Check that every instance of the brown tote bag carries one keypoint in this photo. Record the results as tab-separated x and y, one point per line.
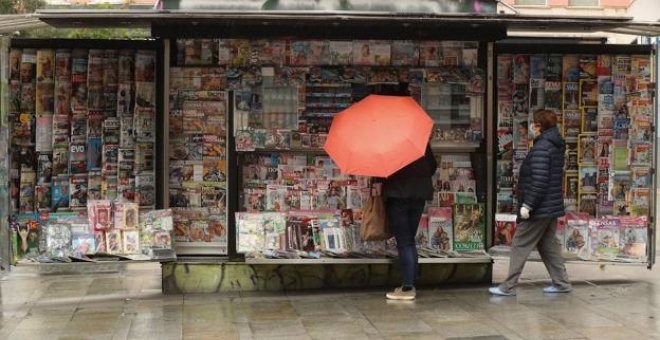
374	218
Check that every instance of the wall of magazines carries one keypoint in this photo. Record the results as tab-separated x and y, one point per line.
293	202
82	140
605	105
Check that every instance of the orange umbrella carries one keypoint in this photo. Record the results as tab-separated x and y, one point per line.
378	135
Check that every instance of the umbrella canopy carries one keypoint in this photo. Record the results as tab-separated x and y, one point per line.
378	135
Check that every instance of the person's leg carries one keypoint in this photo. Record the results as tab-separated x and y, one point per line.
415	214
550	251
398	220
528	234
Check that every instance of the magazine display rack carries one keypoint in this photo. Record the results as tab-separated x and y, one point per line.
82	117
293	203
604	98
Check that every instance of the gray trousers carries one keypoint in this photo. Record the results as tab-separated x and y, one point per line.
537	233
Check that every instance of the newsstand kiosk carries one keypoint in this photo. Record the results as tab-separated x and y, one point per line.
244	98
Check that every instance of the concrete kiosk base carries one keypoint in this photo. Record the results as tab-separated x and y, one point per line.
195	277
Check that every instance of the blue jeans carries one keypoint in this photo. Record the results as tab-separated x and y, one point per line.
403	215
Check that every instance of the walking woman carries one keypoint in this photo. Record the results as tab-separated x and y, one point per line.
541	202
406	193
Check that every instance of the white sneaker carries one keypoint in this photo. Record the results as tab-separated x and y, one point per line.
556	290
497	291
399	294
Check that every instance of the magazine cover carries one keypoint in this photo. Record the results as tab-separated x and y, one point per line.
43	197
586	149
633	238
44	168
79	129
605	238
250	234
78	159
587	203
620	183
131	241
520	100
588	174
641	128
577	239
469	227
440	229
111	130
536	94
429	54
603	65
95	124
521	133
572	96
144	157
603	147
382	52
505	228
94	182
641	177
641	154
78	191
553	95
301	52
234	52
319	52
405	53
94	154
571	161
99	213
44	134
113	241
505	201
145	189
100	242
570	68
619	154
60	193
504	66
588	66
640	65
588	93
521	69
572	124
571	188
589	120
640	201
27	196
553	71
82	244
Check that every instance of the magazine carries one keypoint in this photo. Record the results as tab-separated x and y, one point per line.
588	66
634	238
553	95
44	168
60	193
570	68
27	195
429	54
586	149
536	94
588	93
619	154
588	177
587	203
404	53
113	241
641	154
44	133
78	191
78	159
521	69
440	229
505	228
504	66
589	120
603	65
571	185
577	239
640	201
605	238
641	177
572	123
571	96
469	227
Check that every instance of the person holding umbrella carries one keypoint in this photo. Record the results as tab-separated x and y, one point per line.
541	202
386	136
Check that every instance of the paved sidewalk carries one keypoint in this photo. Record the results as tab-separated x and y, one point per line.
609	303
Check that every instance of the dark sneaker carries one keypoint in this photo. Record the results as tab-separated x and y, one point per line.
399	294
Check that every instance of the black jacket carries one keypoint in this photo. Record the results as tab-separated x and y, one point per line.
542	176
413	180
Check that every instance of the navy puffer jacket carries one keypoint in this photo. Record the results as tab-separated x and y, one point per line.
542	175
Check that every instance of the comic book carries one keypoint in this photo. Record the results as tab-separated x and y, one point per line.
633	239
78	159
577	239
27	195
640	201
605	238
641	177
641	154
570	68
588	178
588	66
586	149
60	193
505	228
469	227
78	191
